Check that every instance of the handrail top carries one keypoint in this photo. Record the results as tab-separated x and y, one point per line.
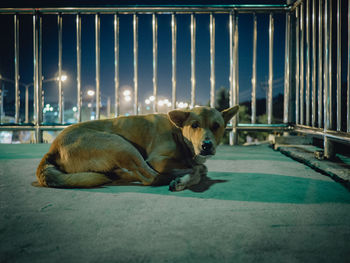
124	9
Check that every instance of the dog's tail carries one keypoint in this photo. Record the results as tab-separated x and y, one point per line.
49	175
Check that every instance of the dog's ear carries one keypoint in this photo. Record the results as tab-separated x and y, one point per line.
229	113
178	117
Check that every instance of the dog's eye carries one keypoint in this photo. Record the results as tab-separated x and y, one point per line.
195	125
215	126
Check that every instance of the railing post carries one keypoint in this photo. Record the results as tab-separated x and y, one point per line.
79	99
297	65
37	46
232	82
116	67
327	98
26	104
97	64
348	76
313	79
16	48
338	66
255	37
212	60
287	70
135	39
320	63
60	101
302	80
155	61
193	61
269	96
307	87
173	60
233	74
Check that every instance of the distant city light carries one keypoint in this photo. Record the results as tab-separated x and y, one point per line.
182	105
91	92
152	98
63	78
127	98
147	101
127	93
75	109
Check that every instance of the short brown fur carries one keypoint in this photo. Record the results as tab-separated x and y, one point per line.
151	149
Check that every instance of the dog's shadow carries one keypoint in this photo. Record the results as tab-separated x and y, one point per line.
204	185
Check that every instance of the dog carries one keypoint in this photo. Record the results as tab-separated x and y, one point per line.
154	149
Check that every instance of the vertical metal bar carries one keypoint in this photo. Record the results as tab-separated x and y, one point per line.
320	63
287	70
173	59
327	144
338	66
212	60
193	60
108	107
234	74
269	96
236	64
255	37
27	104
325	67
348	77
1	100
135	37
313	100
297	62
330	67
16	47
307	88
232	82
60	102
231	34
116	67
97	64
155	61
302	61
78	32
37	23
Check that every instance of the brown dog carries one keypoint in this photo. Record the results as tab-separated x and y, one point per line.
152	149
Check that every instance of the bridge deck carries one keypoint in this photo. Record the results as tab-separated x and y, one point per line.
257	206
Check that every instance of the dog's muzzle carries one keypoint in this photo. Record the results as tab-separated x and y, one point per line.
207	148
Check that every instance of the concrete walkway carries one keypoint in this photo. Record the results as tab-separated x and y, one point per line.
257	206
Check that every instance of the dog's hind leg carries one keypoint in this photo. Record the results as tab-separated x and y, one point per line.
88	159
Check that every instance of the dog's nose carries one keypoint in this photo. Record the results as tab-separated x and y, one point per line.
207	145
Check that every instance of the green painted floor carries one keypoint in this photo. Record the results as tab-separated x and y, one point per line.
257	205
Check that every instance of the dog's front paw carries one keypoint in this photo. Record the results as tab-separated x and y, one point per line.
201	169
176	185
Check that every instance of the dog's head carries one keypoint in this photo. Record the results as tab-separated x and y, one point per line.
202	128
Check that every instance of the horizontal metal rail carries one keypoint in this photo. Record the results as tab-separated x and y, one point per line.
333	135
187	9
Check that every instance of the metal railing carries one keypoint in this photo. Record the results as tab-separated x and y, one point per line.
308	59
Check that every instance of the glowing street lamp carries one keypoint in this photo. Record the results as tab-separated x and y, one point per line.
91	93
